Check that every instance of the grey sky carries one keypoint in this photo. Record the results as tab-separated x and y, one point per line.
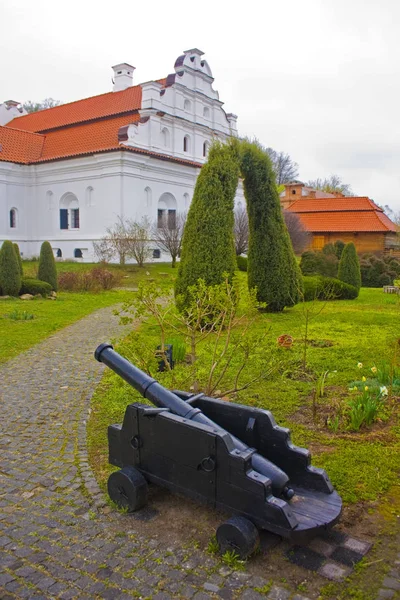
319	79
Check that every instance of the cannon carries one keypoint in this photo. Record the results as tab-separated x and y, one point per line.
229	456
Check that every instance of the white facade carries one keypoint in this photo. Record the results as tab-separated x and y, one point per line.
86	194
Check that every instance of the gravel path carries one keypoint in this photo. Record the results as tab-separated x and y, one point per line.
53	542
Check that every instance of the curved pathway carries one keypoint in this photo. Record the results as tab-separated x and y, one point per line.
53	542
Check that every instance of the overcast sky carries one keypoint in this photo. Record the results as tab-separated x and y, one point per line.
319	79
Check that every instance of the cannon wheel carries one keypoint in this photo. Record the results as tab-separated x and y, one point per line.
239	535
128	489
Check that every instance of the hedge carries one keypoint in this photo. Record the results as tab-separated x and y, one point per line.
34	287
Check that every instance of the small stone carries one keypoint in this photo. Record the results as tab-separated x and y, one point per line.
390	582
357	545
385	594
278	593
333	571
26	297
211	587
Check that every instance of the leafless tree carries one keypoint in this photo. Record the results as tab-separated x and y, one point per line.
284	167
241	230
30	106
300	237
126	239
331	185
167	233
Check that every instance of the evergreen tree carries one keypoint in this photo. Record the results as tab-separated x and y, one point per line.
272	266
339	247
47	266
18	253
208	249
10	277
349	266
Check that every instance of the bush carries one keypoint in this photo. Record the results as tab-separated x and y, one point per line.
10	277
47	266
339	247
34	287
328	288
104	278
88	281
377	272
329	249
69	281
18	254
208	249
319	263
242	263
349	266
272	267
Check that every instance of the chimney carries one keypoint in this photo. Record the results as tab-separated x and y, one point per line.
312	194
123	75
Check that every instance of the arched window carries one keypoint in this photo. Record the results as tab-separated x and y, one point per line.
148	196
50	200
77	253
13	218
187	105
205	148
166	212
89	196
69	212
58	253
186	143
166	138
206	112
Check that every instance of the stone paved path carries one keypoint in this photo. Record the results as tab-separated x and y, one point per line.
53	543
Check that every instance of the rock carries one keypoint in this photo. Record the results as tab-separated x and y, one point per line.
26	297
5	297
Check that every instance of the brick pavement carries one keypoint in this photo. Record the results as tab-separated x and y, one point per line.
53	543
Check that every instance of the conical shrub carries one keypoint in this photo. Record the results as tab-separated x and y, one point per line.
349	266
272	266
18	254
10	277
47	266
208	249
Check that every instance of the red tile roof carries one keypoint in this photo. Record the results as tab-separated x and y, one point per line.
88	109
348	203
82	139
351	214
20	146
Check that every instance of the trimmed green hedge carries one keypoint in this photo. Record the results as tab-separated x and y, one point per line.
328	288
242	263
34	287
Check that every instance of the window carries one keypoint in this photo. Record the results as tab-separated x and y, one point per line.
293	191
205	149
186	143
172	219
77	253
58	253
318	242
165	138
156	253
13	218
160	218
69	212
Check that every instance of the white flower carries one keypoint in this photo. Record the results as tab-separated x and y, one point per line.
360	365
384	391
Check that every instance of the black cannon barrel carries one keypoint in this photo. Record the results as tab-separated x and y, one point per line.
149	388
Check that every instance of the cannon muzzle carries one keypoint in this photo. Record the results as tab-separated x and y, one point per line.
149	388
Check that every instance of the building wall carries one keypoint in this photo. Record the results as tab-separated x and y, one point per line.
364	242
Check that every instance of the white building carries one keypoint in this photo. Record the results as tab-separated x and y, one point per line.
67	173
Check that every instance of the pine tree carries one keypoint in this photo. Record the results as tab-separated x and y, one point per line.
272	266
47	266
10	277
349	266
18	253
208	249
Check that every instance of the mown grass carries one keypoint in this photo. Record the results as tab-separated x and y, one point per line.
362	465
51	315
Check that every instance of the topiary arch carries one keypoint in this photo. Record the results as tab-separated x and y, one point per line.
208	243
